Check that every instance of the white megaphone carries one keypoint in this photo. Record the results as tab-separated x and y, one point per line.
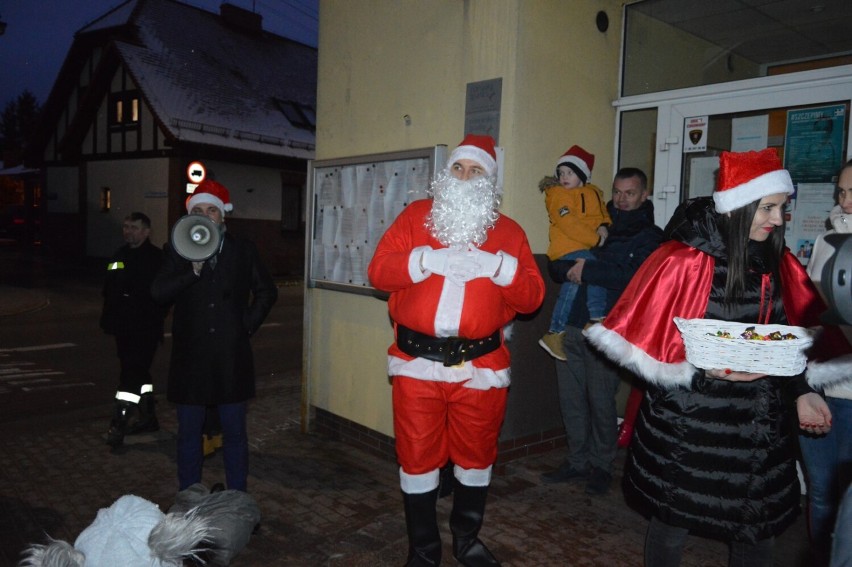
196	237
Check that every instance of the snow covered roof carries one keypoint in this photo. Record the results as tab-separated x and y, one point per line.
212	83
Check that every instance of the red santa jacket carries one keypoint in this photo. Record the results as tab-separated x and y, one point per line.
487	304
640	333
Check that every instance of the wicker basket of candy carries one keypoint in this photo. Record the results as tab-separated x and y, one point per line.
778	350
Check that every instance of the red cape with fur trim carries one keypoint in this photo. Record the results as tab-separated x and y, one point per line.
675	281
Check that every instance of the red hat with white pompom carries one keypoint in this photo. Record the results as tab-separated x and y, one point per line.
479	148
209	191
749	176
579	160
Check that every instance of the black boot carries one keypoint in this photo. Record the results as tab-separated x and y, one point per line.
147	421
465	522
118	425
421	522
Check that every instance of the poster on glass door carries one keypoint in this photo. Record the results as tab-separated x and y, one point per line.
807	218
814	143
695	134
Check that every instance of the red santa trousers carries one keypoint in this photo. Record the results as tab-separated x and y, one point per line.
439	421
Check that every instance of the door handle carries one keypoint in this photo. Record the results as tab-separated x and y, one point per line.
665	190
668	142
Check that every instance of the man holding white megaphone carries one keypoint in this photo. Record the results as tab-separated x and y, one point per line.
221	292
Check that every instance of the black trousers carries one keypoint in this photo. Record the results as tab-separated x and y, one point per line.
664	547
135	354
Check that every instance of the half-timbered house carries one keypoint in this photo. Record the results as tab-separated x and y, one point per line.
153	86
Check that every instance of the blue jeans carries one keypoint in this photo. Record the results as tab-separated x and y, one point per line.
190	446
841	552
828	465
595	297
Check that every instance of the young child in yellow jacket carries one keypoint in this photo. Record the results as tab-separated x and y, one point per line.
578	221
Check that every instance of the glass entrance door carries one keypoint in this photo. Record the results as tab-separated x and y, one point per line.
725	109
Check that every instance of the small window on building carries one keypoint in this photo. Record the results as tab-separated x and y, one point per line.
299	115
124	109
106	199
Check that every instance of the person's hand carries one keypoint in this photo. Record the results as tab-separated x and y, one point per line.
436	261
814	415
489	263
603	233
575	273
461	268
733	375
196	267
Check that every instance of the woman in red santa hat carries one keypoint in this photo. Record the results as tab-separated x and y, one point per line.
714	450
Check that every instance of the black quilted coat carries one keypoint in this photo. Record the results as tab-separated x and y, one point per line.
719	458
214	317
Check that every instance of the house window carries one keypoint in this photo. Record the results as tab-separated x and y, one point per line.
106	199
124	109
292	201
299	115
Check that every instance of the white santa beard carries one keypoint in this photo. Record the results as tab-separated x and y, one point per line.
462	211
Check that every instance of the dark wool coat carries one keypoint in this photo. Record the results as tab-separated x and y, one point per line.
713	456
214	317
128	307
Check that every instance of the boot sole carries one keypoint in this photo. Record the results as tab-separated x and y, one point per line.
543	345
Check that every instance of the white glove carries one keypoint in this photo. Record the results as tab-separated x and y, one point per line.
436	261
462	268
489	263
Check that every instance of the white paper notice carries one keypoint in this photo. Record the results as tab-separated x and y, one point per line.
348	183
418	180
329	189
749	133
359	268
364	176
329	225
813	203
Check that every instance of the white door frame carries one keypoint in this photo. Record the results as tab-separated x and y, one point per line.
795	89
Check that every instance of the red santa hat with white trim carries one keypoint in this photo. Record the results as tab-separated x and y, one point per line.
579	160
209	191
749	176
479	148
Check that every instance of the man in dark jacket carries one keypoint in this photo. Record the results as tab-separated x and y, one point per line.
588	381
130	314
218	305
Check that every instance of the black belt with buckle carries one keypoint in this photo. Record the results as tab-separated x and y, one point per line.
452	351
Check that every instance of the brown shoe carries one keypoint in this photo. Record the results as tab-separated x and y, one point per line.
552	343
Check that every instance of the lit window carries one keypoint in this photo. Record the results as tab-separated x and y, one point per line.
124	108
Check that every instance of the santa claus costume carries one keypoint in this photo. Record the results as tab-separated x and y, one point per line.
712	456
449	301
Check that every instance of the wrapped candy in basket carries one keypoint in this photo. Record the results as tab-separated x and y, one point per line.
777	350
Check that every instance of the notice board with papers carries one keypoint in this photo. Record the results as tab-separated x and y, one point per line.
351	202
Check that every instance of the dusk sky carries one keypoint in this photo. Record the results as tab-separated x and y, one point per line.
39	34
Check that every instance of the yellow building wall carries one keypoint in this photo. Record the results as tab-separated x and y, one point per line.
382	60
